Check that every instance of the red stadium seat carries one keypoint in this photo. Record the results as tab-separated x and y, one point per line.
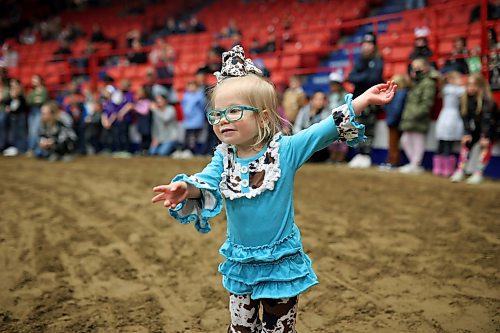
290	62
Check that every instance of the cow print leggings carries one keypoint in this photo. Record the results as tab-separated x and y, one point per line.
278	315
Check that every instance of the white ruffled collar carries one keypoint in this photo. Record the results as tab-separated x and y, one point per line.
264	171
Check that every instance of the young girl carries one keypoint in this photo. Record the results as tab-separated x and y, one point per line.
36	98
142	108
449	126
416	116
254	169
477	110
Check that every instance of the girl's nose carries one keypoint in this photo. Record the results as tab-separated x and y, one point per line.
223	121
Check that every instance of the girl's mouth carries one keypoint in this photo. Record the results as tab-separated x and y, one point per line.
226	130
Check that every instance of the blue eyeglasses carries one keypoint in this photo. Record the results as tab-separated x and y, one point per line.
231	113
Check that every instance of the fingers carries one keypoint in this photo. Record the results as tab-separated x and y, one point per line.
158	198
382	86
161	188
170	204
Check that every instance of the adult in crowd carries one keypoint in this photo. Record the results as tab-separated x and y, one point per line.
313	112
366	73
294	98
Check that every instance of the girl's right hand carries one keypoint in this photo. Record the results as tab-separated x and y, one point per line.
171	194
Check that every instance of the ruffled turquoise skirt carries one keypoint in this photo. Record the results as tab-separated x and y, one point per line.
278	270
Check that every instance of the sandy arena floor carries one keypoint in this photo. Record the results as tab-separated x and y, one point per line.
83	250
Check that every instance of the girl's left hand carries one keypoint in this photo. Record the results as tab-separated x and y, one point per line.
381	93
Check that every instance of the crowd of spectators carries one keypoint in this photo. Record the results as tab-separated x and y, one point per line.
151	120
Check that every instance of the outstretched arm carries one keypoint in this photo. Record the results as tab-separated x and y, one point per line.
175	193
379	94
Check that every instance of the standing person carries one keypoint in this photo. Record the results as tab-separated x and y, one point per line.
254	170
416	116
123	101
75	109
478	111
142	108
165	130
458	58
366	73
36	98
17	110
449	126
108	118
294	98
338	149
393	112
4	101
193	107
421	45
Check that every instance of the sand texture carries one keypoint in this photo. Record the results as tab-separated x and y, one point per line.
82	249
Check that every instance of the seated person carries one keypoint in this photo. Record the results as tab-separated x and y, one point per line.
57	140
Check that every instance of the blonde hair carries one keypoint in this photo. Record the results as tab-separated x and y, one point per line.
484	92
260	93
52	106
402	80
452	75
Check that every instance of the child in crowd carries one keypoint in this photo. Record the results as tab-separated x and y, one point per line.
36	98
393	112
108	119
93	127
479	113
57	140
193	107
165	130
142	108
416	116
338	149
123	101
449	125
254	170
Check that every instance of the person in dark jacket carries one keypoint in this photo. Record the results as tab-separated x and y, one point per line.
366	73
480	114
17	112
457	61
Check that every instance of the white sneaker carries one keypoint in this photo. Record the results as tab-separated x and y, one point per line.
11	151
185	154
411	169
358	161
457	176
476	178
365	162
176	154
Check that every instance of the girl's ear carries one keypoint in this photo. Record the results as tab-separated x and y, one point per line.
265	117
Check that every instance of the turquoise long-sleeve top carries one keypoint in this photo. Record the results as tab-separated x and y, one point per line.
263	251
